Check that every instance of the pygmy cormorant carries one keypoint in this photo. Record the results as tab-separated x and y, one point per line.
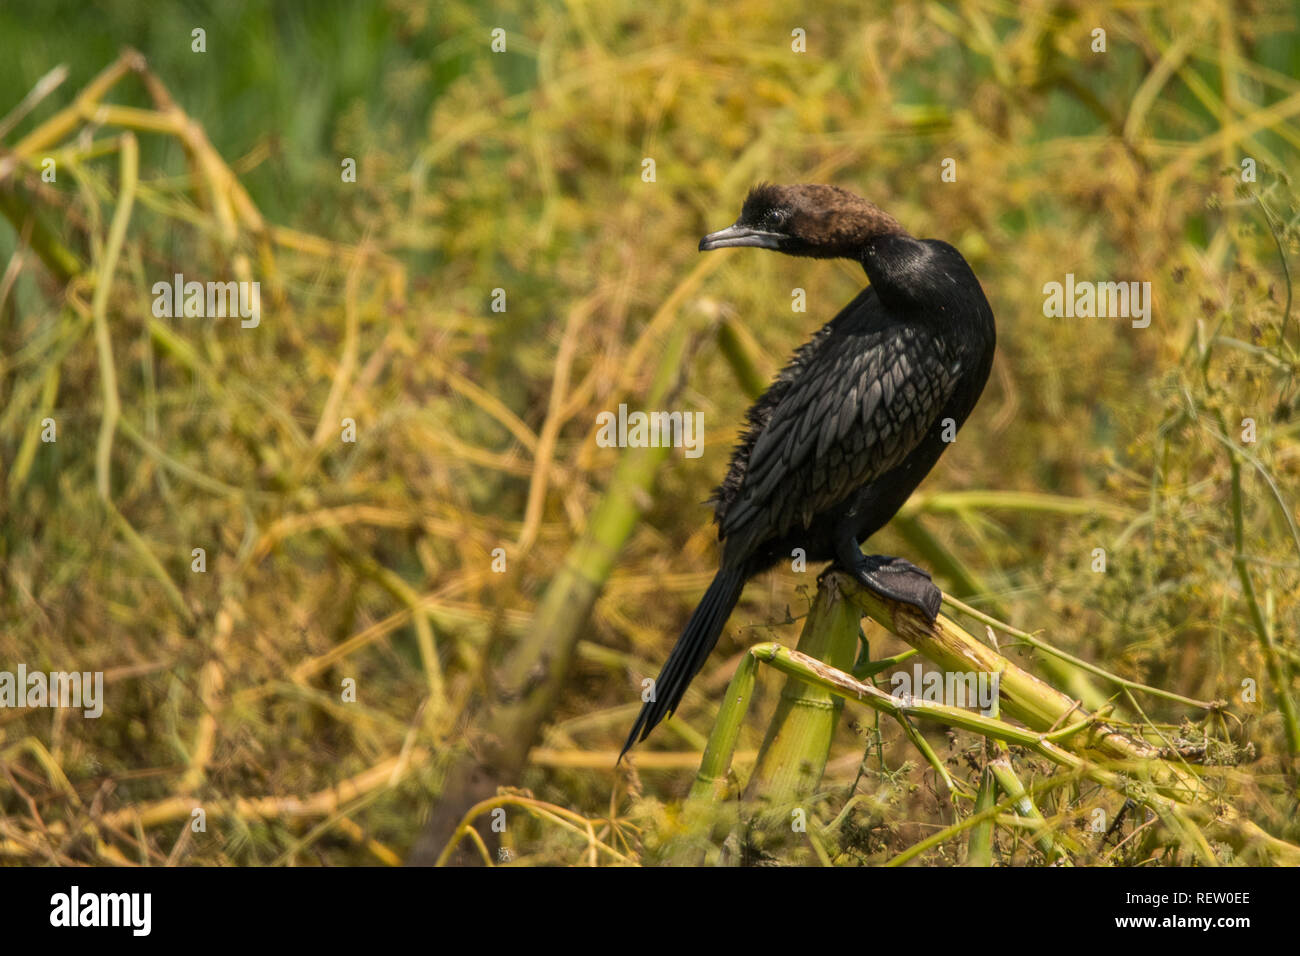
853	424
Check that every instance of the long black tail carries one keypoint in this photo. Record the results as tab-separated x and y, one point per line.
689	653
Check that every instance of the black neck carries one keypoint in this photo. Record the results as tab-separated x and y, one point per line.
895	264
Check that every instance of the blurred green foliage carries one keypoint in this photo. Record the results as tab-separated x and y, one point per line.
522	171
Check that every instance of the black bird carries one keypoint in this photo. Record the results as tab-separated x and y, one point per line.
851	426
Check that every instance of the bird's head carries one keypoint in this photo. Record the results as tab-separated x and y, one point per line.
824	222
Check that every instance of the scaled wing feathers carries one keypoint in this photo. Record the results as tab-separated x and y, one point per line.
853	435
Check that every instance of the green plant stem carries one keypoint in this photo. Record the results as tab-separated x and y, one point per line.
979	851
1024	806
528	682
795	749
710	781
1179	813
62	263
1091	668
1276	669
1043	708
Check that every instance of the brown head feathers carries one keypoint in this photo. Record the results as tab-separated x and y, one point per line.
816	220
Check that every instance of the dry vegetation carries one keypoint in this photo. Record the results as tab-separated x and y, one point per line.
373	561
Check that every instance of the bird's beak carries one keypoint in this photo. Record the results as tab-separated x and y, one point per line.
737	235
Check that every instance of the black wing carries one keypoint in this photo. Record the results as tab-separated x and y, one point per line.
856	405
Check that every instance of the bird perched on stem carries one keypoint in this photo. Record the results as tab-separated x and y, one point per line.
851	426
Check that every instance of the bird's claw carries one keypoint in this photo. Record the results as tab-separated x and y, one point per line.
899	580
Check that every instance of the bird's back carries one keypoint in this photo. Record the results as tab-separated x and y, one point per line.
852	404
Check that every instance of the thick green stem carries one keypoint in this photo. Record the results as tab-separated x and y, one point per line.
31	227
710	782
794	752
980	849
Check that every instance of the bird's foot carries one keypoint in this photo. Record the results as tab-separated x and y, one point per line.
899	580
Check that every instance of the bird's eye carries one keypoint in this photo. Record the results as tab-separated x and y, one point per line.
775	218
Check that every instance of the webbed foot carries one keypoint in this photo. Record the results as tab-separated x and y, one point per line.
899	580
